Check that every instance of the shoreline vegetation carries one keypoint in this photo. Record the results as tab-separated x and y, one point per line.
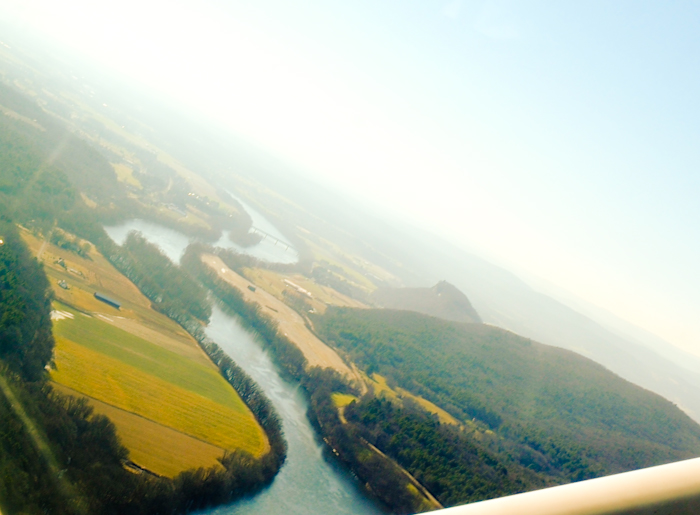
174	293
381	478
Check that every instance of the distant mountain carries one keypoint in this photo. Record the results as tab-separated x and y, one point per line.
503	299
443	300
570	417
620	327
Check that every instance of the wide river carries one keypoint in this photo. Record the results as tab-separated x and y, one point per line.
274	247
307	484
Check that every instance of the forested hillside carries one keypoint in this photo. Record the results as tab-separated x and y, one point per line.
564	416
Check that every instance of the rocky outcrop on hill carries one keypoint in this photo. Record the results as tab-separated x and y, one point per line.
442	301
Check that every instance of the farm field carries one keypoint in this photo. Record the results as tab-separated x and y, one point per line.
151	444
86	275
381	388
172	408
115	367
273	282
340	400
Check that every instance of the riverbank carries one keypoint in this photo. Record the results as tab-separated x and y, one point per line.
382	478
289	322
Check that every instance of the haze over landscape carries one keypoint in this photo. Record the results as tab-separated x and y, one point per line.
351	258
559	141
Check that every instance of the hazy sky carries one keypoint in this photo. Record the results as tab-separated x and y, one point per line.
562	138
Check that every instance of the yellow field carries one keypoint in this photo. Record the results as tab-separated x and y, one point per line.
172	408
290	323
428	406
273	282
179	346
155	447
125	387
340	400
381	388
126	174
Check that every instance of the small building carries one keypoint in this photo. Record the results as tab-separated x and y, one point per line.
107	300
298	288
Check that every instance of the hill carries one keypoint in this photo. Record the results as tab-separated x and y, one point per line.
552	411
442	300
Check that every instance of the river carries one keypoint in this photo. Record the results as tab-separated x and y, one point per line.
307	483
274	247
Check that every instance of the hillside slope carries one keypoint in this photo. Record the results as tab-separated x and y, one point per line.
578	419
443	300
499	296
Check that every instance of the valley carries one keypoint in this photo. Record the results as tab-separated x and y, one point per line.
256	334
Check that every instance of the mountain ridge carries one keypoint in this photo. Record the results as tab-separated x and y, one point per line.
514	384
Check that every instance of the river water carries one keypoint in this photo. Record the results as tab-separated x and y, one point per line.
172	243
307	484
274	247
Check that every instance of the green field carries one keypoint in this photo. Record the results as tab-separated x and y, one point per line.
102	337
129	373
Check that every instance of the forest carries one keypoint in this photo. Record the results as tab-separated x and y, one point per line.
26	342
170	288
580	422
455	467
